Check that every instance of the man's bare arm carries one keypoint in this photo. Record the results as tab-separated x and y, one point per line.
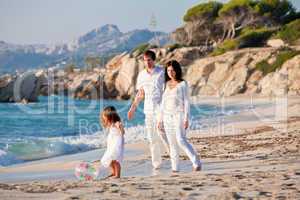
138	98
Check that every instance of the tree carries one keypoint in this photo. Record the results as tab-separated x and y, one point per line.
203	11
277	10
236	15
200	28
213	22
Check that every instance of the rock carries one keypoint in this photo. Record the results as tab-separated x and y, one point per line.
22	88
43	82
232	73
6	88
126	78
253	81
109	81
218	75
276	43
185	56
26	87
115	62
292	68
274	84
88	86
235	83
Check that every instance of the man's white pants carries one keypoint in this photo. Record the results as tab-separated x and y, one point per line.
155	138
176	134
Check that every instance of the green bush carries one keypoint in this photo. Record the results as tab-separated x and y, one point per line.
276	9
290	32
254	37
227	45
281	58
235	4
211	9
264	67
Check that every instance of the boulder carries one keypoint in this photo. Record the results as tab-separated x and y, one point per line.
6	88
126	79
276	43
26	87
22	88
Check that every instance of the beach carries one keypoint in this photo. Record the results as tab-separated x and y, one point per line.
254	154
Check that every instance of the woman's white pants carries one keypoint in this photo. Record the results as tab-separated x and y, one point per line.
176	135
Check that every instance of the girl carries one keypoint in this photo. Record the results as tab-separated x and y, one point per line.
174	115
113	155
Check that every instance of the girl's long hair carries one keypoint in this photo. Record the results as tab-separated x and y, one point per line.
177	68
111	114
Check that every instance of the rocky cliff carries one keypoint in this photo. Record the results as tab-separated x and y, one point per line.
233	73
236	73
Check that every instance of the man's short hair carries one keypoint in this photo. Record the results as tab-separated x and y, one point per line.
150	54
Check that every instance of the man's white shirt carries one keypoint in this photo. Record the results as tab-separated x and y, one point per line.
153	85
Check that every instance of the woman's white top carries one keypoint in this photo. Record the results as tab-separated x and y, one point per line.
176	101
115	147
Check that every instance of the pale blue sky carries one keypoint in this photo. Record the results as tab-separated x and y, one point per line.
56	21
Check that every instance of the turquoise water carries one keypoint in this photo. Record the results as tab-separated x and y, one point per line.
58	125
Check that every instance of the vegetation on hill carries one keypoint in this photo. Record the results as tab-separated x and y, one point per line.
265	67
238	24
290	33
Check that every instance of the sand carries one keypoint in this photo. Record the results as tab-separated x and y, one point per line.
251	158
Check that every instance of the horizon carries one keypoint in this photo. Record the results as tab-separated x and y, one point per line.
22	22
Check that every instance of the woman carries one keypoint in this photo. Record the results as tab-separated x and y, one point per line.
174	115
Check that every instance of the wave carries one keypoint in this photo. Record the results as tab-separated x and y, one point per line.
39	148
8	159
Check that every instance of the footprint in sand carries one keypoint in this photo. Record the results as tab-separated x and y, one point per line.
187	188
267	194
74	197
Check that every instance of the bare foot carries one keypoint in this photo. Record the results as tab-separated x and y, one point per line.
198	168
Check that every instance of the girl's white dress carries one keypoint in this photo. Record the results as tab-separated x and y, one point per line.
115	147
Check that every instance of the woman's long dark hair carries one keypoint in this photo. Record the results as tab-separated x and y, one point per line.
111	114
177	68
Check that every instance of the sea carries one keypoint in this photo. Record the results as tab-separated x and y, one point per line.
60	125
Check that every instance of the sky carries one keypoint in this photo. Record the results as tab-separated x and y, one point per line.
59	21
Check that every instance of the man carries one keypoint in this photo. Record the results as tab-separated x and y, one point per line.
150	86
